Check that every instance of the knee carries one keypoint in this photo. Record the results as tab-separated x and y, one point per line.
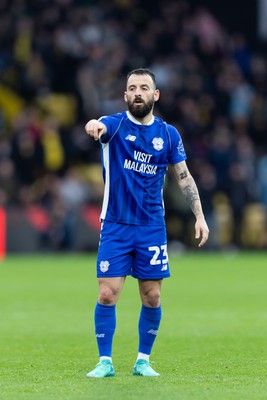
107	296
151	298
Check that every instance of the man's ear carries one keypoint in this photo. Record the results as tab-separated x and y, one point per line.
125	97
156	95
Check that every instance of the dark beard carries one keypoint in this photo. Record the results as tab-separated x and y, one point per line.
140	111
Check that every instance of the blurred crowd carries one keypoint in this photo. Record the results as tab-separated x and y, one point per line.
63	62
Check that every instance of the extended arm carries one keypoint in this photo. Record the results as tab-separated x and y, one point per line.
189	189
95	129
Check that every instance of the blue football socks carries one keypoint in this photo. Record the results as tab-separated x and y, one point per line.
148	326
105	324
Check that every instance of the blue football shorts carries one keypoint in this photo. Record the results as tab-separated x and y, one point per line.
136	250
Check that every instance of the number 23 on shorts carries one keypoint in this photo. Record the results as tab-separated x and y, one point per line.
160	254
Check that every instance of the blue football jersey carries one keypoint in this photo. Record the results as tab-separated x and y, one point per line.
135	159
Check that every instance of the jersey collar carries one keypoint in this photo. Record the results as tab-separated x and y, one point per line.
131	118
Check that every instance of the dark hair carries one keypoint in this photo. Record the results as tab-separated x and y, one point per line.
142	71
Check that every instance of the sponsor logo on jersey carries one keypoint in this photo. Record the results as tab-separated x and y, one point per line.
131	138
158	143
141	163
104	266
140	167
164	268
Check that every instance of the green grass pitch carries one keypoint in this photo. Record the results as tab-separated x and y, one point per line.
212	342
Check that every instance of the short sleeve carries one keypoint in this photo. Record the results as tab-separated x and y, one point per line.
177	151
112	123
106	121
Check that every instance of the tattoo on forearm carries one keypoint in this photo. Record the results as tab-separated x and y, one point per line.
183	175
189	189
192	198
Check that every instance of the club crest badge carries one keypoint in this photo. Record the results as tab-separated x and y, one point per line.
158	143
104	265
